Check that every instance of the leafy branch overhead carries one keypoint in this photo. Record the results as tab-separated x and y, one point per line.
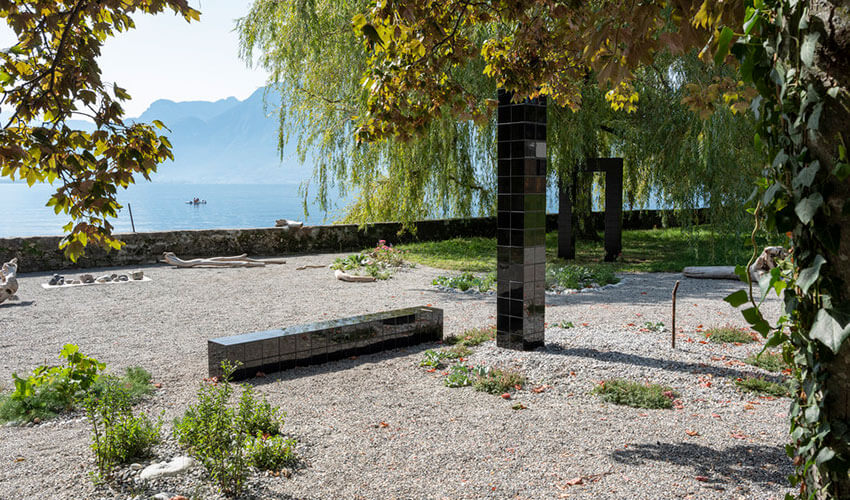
51	76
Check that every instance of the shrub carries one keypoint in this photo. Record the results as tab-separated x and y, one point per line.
574	276
497	381
219	434
136	381
472	338
461	375
767	360
466	281
51	389
257	417
385	254
267	452
624	392
729	334
761	386
118	436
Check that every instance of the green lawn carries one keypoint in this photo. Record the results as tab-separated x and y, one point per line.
649	250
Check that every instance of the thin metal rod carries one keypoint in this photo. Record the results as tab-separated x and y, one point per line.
673	334
132	224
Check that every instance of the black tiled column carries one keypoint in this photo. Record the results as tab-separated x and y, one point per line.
566	241
521	225
613	168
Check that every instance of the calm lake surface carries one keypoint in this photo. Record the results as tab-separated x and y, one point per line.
160	207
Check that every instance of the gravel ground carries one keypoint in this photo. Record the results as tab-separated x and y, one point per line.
438	442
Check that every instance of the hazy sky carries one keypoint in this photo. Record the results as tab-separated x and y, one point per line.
167	58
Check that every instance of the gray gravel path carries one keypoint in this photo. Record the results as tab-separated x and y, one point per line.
439	442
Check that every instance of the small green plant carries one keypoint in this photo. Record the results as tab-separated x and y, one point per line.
761	386
257	416
436	359
221	436
457	352
767	360
118	436
269	452
571	276
565	325
385	254
729	335
498	381
51	389
473	337
461	375
466	281
377	262
136	381
625	392
654	327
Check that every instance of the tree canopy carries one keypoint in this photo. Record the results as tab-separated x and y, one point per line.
50	76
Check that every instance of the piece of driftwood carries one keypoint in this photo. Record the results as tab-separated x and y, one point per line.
343	276
234	261
767	261
8	280
711	272
309	266
288	223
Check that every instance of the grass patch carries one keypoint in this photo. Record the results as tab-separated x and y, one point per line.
770	361
467	280
636	395
497	381
761	386
473	337
649	250
565	275
729	335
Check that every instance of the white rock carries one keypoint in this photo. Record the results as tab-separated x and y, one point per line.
174	466
163	496
135	466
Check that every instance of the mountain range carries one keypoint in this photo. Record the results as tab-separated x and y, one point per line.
226	141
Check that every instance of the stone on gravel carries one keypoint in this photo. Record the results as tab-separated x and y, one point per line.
173	467
162	496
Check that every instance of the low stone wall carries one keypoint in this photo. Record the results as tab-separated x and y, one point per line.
41	253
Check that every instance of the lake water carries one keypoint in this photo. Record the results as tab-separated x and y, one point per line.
159	207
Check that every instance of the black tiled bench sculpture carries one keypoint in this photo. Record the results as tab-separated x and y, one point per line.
315	343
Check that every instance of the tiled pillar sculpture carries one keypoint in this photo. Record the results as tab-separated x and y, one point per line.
521	226
613	168
566	239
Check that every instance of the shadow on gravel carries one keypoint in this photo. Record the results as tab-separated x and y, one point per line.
335	366
642	293
18	304
456	296
663	364
766	465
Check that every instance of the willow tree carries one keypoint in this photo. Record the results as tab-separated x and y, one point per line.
50	76
445	164
792	52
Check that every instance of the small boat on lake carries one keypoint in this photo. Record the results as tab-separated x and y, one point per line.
196	201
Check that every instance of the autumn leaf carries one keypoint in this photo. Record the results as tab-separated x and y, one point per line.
383	424
574	481
692	433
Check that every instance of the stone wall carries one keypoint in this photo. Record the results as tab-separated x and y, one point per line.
41	253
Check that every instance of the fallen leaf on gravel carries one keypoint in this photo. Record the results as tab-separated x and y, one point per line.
506	396
574	481
158	386
431	370
631	324
519	406
738	435
542	388
20	459
383	424
703	342
585	324
179	497
701	478
427	305
692	433
572	374
749	407
715	415
717	358
643	293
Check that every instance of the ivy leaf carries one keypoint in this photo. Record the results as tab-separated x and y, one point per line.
825	455
735	299
807	49
805	177
808	207
809	275
829	330
723	42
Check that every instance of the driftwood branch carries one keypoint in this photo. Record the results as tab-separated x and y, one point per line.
234	261
343	276
8	280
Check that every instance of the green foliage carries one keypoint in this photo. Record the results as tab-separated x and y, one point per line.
461	375
472	337
118	436
499	381
51	389
50	76
473	254
634	394
465	281
729	335
768	360
224	437
379	262
565	325
136	381
654	327
436	359
761	386
270	452
571	276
